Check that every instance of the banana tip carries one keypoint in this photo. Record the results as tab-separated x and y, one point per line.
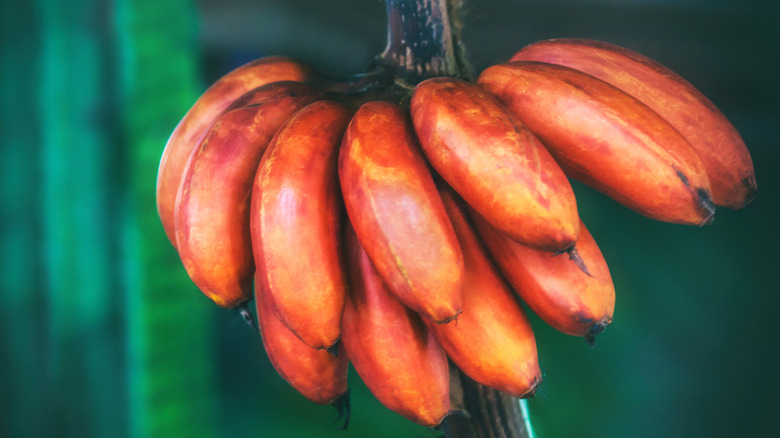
575	257
249	319
451	318
534	387
751	196
343	407
596	329
456	419
334	349
706	205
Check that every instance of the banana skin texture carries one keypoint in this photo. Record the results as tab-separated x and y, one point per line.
554	287
212	208
390	348
398	216
717	142
492	340
318	375
497	165
193	126
607	139
295	223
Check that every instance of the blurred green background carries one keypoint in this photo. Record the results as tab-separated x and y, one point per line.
103	335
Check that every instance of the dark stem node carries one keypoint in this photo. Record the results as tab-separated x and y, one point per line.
421	41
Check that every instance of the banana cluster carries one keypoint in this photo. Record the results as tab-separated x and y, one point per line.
403	237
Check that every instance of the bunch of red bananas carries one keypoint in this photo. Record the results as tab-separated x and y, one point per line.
402	235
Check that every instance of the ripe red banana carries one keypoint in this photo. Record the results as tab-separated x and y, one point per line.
390	348
212	208
607	139
555	288
193	126
719	145
296	214
495	163
319	375
492	340
397	213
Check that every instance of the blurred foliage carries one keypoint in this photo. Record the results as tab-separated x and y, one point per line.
103	335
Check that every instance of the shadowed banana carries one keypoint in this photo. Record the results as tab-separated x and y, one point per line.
555	288
319	375
389	346
193	126
492	340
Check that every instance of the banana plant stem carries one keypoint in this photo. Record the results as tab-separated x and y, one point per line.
422	40
526	418
479	411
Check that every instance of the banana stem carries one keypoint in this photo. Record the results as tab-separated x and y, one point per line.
526	417
479	411
423	40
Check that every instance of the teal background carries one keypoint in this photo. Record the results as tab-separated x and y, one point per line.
103	335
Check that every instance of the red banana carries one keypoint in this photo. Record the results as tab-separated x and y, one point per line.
492	340
395	208
555	288
319	375
607	139
390	348
193	126
495	163
719	145
295	221
212	209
